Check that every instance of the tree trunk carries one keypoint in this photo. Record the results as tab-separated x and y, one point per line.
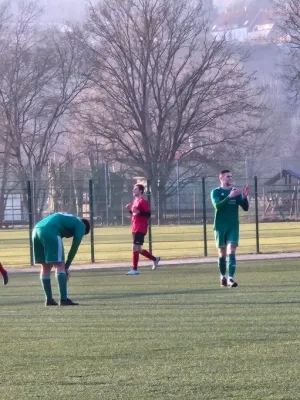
3	194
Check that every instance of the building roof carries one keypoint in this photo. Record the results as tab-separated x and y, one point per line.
247	17
264	17
284	173
234	19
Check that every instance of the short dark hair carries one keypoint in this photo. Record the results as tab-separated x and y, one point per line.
224	171
87	225
141	187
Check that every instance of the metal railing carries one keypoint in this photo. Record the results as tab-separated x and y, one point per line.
180	226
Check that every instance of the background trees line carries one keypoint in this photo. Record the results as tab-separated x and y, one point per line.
140	84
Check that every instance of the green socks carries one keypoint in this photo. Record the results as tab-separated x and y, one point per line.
222	265
62	285
231	265
46	284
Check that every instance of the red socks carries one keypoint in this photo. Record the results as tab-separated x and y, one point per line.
135	259
148	255
2	270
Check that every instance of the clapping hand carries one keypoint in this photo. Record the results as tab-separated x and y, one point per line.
245	191
234	193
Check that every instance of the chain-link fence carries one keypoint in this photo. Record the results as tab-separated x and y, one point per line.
181	222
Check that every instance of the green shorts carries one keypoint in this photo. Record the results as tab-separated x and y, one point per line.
227	236
47	246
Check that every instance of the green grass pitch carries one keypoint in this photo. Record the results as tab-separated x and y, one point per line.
169	334
113	244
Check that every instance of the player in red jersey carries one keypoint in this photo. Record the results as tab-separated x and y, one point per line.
140	210
3	272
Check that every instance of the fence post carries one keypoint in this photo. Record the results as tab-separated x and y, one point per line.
256	214
106	172
30	219
91	205
194	205
204	217
122	209
150	224
158	202
178	192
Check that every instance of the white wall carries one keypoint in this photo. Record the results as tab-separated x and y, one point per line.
239	34
13	210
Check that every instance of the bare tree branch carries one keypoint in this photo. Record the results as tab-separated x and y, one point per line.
288	21
163	80
40	79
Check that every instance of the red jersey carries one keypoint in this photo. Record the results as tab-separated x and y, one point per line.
139	223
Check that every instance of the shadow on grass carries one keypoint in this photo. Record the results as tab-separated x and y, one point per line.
191	292
146	294
207	301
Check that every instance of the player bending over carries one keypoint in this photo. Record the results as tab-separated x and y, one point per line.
140	210
49	251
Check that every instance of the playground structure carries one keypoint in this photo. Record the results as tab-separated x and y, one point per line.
281	200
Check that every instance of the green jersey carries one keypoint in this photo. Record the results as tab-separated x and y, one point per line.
65	226
227	209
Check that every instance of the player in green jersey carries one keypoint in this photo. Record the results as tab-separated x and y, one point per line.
49	251
226	201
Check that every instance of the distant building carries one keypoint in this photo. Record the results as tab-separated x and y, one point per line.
244	25
15	212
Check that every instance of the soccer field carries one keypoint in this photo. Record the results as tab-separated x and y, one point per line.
172	333
113	244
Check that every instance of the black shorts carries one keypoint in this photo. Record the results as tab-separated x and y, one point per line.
138	238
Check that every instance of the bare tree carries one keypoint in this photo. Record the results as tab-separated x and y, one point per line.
164	86
6	186
263	158
288	22
40	79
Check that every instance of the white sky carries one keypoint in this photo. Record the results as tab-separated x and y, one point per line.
62	10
